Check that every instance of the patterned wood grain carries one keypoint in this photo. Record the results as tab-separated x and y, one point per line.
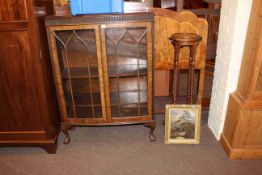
168	22
13	10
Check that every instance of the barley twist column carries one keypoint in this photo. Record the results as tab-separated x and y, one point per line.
180	40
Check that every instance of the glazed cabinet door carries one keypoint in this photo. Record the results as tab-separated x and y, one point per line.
127	61
76	59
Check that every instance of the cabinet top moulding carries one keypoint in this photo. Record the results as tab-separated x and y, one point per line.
99	18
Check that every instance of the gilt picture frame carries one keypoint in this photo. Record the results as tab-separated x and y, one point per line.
182	124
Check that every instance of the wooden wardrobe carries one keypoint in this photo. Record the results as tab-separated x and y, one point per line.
241	137
28	107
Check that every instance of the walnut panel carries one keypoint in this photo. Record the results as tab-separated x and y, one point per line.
13	10
167	23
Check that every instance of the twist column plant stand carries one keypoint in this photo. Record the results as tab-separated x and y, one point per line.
180	40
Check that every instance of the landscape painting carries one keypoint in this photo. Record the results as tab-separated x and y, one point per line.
182	124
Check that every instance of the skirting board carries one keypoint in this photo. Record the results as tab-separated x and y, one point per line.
240	153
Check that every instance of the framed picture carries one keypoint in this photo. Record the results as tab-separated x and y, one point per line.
182	124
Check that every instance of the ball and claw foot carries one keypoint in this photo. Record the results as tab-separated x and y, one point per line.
65	129
152	127
152	138
66	140
72	128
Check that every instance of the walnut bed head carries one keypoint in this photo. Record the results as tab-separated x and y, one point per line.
168	22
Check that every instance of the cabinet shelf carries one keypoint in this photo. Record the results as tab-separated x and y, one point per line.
126	97
86	112
129	111
80	73
113	72
112	105
79	58
124	112
83	99
129	70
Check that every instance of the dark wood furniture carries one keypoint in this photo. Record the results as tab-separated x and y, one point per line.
210	66
213	4
179	5
241	136
102	66
28	107
180	40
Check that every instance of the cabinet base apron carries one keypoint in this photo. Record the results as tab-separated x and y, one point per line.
236	139
239	153
66	127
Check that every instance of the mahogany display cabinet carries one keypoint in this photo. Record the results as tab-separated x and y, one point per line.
102	65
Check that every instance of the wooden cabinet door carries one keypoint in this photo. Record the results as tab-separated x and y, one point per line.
127	63
76	58
21	95
19	106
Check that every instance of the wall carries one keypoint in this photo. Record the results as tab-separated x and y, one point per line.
231	38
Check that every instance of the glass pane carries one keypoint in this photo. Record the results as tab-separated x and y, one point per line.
127	71
77	55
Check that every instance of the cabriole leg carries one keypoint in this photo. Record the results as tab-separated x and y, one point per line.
152	127
65	129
